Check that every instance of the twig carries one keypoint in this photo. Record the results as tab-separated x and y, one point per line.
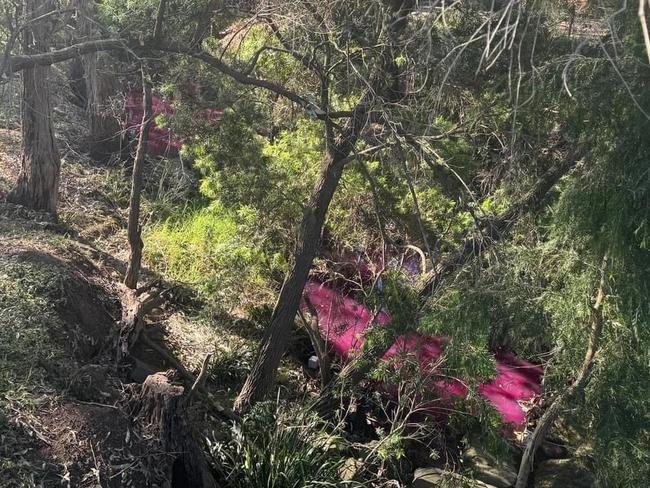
200	379
105	405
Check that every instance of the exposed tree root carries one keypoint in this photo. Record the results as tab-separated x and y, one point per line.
136	304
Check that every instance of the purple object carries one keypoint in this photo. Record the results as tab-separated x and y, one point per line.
343	322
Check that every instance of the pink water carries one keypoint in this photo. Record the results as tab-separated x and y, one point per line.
344	321
162	142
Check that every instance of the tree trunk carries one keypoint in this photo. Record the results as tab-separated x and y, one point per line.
134	229
38	183
262	376
162	405
100	85
578	385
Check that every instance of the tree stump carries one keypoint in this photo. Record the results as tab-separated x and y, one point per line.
162	405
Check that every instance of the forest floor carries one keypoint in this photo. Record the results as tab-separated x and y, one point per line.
64	407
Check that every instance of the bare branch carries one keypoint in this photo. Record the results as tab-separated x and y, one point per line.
160	17
644	25
22	62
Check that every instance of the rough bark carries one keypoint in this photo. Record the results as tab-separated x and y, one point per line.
578	385
100	85
38	183
134	229
224	412
136	304
162	405
274	343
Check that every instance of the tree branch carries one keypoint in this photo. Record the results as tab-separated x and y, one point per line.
578	385
22	62
492	230
245	79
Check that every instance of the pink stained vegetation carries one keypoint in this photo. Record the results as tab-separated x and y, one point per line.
162	142
343	321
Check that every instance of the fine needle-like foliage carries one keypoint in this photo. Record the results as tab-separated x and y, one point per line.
383	214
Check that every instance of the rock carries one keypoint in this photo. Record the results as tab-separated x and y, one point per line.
487	468
561	473
351	470
438	478
554	450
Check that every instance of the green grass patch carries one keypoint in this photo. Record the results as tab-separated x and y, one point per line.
216	252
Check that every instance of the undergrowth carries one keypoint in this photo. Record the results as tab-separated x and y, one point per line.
216	252
30	361
278	447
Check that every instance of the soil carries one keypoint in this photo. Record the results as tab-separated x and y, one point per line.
98	446
76	430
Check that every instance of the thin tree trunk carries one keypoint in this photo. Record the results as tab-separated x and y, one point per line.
578	385
38	183
134	229
274	343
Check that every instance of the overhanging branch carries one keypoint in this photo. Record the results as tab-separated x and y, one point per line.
24	61
492	230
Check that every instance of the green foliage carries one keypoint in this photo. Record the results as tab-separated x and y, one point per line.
501	128
29	292
36	345
240	169
230	367
279	447
217	251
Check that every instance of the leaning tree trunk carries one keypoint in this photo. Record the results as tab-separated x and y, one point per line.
134	229
100	85
38	183
274	343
